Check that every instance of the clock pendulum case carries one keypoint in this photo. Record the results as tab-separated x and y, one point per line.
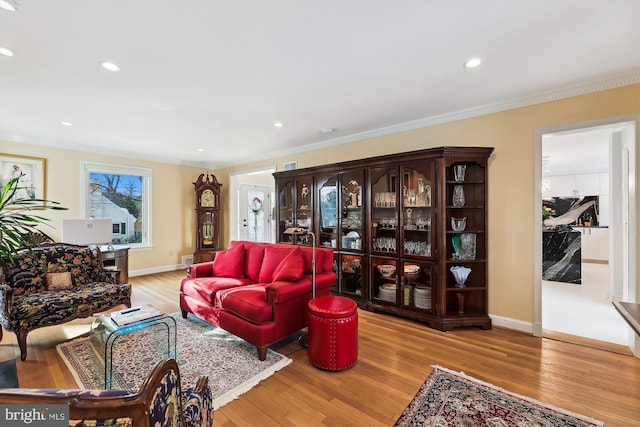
207	190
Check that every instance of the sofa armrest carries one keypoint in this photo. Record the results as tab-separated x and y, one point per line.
279	292
202	269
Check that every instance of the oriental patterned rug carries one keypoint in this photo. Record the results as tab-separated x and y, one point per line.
450	398
231	363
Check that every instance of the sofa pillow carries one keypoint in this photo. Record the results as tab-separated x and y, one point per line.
253	263
58	281
291	268
273	256
229	263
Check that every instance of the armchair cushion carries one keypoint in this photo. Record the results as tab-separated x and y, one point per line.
59	281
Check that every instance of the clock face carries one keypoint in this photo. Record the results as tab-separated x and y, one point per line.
207	199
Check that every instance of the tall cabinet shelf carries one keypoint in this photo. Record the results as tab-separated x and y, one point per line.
398	224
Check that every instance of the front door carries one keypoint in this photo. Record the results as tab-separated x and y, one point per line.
255	213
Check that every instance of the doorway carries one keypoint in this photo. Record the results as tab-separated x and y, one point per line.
251	207
590	164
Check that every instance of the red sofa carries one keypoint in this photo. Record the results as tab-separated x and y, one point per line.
257	291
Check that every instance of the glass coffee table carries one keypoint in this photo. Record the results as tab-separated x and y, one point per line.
107	329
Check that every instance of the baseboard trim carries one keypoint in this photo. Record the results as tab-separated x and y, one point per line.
507	323
161	269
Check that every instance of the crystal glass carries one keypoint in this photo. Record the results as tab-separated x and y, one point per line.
461	274
467	246
458	196
458	172
458	224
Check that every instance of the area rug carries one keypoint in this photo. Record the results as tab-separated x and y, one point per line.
451	398
231	363
8	374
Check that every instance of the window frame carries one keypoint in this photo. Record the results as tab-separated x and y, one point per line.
87	168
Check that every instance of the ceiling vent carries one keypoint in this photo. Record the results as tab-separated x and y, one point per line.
290	166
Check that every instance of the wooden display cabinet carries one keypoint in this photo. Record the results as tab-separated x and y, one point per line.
397	210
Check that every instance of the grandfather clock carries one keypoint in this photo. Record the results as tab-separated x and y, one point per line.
207	217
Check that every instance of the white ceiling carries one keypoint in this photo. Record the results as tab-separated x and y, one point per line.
217	74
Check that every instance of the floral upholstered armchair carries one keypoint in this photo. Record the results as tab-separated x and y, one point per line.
159	402
53	284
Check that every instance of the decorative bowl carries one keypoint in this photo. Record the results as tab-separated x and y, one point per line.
387	270
411	268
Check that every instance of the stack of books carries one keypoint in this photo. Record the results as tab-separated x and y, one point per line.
135	314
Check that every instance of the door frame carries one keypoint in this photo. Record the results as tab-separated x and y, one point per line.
631	286
247	177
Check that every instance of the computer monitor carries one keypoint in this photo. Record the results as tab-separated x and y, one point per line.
87	231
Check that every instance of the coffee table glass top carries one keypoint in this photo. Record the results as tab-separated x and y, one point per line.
108	328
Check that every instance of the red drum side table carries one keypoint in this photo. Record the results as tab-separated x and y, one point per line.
332	332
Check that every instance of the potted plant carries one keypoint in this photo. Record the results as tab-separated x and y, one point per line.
18	223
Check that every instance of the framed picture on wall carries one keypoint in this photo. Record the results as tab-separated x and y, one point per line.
32	173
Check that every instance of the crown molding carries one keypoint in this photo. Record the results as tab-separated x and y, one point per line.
483	110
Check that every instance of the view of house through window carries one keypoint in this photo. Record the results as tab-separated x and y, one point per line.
120	194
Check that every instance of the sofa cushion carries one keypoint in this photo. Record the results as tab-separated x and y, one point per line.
273	256
247	302
291	268
67	303
205	288
59	281
254	254
229	263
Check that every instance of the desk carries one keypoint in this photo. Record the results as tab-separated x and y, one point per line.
631	313
116	259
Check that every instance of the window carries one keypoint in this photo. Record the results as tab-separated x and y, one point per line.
122	194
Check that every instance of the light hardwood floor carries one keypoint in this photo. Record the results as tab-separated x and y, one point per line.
395	358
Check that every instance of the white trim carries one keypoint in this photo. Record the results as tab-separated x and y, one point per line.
516	325
483	110
87	167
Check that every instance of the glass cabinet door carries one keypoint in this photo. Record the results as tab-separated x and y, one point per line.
384	210
417	285
384	280
351	275
416	213
304	208
351	221
328	200
285	210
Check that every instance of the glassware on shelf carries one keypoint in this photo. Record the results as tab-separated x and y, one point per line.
458	172
458	196
458	224
423	198
408	223
460	274
455	242
467	246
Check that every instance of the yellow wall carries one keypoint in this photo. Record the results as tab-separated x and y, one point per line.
511	178
172	201
511	185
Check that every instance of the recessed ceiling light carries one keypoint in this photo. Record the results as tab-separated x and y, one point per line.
6	51
200	150
278	124
66	123
327	131
109	66
9	5
472	63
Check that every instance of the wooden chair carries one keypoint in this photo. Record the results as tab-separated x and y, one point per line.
160	401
